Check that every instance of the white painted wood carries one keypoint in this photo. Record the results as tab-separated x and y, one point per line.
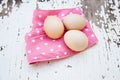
101	62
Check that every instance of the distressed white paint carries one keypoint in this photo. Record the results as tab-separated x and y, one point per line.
97	63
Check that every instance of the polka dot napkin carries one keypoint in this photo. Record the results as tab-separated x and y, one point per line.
41	48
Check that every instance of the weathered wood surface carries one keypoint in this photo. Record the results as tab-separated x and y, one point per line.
101	62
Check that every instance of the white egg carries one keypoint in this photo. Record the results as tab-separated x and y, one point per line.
53	27
76	40
74	22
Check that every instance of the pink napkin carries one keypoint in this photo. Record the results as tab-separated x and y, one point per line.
41	48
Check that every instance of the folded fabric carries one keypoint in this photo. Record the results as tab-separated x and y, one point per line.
41	48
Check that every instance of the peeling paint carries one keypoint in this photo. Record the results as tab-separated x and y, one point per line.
7	7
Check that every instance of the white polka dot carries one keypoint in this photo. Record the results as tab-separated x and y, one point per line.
39	16
37	48
29	51
86	29
57	57
53	40
62	14
43	53
40	24
41	38
77	8
51	50
59	46
92	35
33	40
71	13
35	58
65	53
29	34
45	44
37	31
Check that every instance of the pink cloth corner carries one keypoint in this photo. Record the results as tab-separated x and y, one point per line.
41	48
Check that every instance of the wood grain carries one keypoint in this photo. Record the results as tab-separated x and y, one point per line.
101	62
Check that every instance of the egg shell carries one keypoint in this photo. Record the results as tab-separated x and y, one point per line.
74	22
76	40
53	27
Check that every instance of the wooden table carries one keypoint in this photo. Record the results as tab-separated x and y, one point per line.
101	62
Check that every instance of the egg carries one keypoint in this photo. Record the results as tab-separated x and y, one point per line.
53	27
74	22
76	40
